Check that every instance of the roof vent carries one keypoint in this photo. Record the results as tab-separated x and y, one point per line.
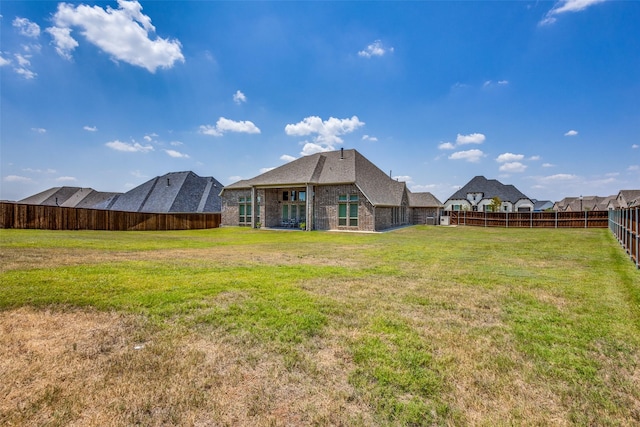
342	154
168	182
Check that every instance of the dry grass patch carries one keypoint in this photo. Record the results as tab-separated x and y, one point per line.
87	368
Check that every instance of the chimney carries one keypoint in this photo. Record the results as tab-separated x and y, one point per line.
168	184
341	153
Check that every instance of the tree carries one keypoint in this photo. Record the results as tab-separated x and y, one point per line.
495	204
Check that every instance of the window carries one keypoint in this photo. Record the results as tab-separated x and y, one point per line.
348	210
302	196
294	195
285	196
244	210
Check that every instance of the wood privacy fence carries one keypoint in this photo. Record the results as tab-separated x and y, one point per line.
15	215
586	219
625	225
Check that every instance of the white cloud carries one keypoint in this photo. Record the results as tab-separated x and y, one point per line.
150	137
31	170
225	125
175	143
124	33
503	82
16	178
235	178
446	146
63	41
634	146
39	130
473	138
468	155
90	128
369	138
534	158
403	178
509	157
513	167
263	170
66	179
547	165
239	97
4	61
176	154
633	168
560	177
26	73
565	6
26	27
287	158
209	130
129	148
327	133
571	133
375	49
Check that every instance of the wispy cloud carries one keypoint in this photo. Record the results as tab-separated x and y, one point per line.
239	97
375	49
124	33
39	130
90	128
66	179
472	156
16	178
369	138
473	138
513	167
176	154
567	6
287	158
26	27
509	157
129	147
571	133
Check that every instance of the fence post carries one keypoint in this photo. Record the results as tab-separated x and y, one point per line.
585	219
556	222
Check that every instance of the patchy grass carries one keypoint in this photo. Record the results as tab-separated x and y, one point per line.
420	326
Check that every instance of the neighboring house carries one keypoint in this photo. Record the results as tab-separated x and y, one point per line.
72	197
336	190
586	203
425	208
628	199
177	192
542	205
478	194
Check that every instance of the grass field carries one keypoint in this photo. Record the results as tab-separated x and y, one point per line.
419	326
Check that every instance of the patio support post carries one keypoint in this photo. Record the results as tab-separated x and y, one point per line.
309	208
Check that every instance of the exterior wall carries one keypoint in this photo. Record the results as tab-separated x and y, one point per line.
423	215
326	208
230	210
523	205
464	204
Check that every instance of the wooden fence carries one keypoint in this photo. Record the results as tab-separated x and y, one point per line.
586	219
15	215
625	225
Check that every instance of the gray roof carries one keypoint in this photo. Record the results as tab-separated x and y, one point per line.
72	197
489	188
331	168
423	200
629	198
172	192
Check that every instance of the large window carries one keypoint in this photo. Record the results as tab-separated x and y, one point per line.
244	210
348	210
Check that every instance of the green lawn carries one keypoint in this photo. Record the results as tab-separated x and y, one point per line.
419	326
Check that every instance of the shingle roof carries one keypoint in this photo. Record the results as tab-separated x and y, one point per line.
69	197
333	167
172	192
423	200
490	189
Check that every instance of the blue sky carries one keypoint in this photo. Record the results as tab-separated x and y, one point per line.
542	95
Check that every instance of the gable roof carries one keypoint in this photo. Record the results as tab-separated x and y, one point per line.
172	192
629	198
423	200
72	197
489	188
332	168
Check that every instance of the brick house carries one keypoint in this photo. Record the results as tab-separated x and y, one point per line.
478	194
336	190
